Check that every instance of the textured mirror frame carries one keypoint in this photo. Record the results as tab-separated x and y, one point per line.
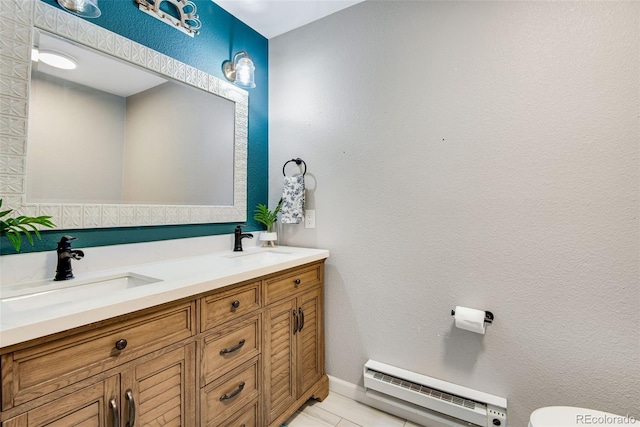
17	20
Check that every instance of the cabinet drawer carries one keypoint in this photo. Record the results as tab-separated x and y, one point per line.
292	282
222	307
247	417
44	368
228	348
222	399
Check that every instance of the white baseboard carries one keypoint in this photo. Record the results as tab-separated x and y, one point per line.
352	391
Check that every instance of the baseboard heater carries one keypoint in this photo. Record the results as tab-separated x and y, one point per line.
442	403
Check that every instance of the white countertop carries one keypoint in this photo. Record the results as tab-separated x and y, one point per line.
176	279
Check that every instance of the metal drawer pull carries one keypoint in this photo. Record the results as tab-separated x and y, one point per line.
297	282
235	304
232	349
233	394
121	344
115	416
295	322
301	318
132	408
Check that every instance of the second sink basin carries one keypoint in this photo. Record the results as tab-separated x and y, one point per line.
48	293
259	255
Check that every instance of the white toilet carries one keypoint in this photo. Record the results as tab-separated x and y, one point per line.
567	416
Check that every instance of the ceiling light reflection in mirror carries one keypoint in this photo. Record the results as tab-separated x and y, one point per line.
54	59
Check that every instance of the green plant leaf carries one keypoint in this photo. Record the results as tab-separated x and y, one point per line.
14	228
15	239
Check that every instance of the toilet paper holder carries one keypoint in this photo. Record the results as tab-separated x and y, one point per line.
488	316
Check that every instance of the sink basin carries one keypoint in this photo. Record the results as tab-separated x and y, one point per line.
259	255
36	295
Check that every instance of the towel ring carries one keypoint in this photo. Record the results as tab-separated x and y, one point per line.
298	161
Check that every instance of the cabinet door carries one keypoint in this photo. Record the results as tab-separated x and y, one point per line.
161	391
310	348
95	406
280	363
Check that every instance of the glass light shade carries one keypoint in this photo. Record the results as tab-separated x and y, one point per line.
245	73
83	8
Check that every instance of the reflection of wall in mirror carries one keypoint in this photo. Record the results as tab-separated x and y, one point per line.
199	169
77	145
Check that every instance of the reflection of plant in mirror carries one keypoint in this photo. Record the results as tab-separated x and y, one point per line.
13	228
264	216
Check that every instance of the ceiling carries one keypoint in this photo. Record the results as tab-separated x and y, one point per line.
274	17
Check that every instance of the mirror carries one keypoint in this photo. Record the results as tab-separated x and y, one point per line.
129	137
110	132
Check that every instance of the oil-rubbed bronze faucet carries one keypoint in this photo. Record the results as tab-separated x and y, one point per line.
65	255
239	235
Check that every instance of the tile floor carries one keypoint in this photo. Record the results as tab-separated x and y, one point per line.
340	411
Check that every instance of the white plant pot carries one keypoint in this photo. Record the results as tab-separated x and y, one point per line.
268	239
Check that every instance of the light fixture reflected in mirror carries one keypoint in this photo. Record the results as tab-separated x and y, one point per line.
54	59
240	70
82	8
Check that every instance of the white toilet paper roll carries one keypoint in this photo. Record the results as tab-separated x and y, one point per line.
470	319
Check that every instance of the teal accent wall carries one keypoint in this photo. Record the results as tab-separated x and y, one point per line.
221	36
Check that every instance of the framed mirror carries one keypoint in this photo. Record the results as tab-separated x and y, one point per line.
167	144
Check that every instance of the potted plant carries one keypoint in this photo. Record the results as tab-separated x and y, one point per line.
266	217
14	228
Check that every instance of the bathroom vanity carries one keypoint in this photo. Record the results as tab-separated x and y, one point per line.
227	339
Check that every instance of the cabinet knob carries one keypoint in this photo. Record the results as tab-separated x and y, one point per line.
121	344
297	282
235	304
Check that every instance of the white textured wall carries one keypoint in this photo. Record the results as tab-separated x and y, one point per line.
482	154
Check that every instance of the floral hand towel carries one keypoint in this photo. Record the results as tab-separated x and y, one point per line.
292	209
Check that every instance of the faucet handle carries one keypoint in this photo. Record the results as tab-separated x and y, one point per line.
65	242
238	227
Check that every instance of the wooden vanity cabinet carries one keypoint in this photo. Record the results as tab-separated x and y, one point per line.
87	407
36	371
293	343
245	355
158	390
230	362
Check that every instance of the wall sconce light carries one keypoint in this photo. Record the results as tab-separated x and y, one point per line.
82	8
240	70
